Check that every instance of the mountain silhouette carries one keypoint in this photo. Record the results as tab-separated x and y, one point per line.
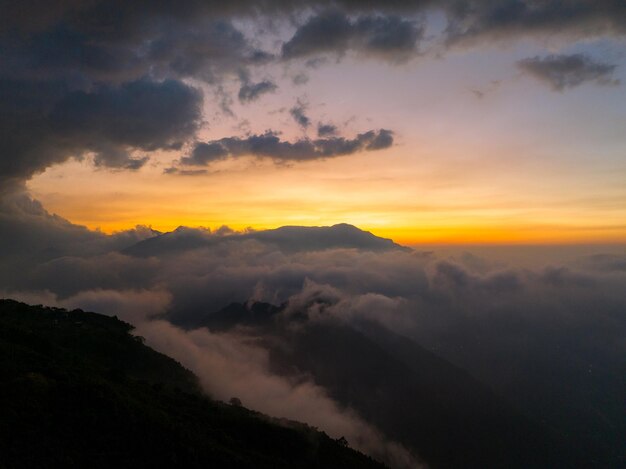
286	238
78	390
433	407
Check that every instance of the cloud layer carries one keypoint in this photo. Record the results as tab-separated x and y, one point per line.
515	328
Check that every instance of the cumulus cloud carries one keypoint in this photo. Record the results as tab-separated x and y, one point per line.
567	71
269	145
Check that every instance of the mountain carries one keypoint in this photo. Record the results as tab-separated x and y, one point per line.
78	390
431	406
286	238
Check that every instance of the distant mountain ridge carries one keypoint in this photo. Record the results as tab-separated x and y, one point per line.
286	238
421	400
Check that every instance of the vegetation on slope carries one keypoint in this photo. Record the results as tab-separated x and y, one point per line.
78	390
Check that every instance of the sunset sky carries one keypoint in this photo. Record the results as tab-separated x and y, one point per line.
502	123
401	222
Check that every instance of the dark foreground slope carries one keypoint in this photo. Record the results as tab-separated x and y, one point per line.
77	390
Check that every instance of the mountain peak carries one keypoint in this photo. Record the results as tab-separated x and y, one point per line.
290	238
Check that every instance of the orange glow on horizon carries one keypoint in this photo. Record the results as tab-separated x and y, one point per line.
425	204
426	235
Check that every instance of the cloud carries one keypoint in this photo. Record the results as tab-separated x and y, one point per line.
142	114
326	130
84	79
513	328
231	365
205	153
88	78
300	79
133	306
472	21
43	125
298	114
390	38
253	91
270	146
205	49
605	262
568	71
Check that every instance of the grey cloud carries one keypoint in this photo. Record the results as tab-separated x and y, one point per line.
117	44
59	53
184	172
112	156
269	145
327	32
605	262
567	71
524	331
298	112
207	50
253	91
142	114
300	79
326	130
388	37
26	229
205	153
469	21
43	125
105	79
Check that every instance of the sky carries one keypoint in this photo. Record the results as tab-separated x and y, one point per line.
470	122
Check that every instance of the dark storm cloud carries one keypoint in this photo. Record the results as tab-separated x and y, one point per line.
567	71
141	114
388	37
43	124
167	46
269	145
253	91
105	78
